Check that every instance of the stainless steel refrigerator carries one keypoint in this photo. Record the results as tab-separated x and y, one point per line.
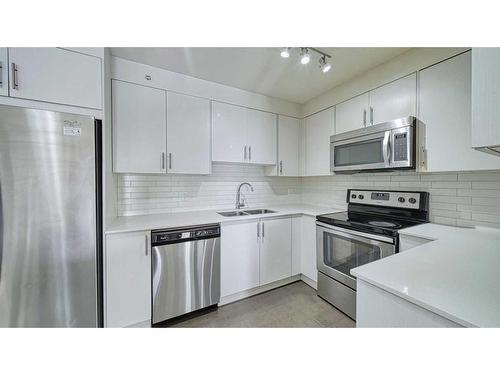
50	219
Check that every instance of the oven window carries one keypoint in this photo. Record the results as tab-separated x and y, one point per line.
342	254
368	152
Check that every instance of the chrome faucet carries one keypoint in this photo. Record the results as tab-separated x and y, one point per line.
240	204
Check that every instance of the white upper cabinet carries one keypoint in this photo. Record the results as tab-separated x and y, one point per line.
127	279
229	133
352	114
239	257
55	75
317	129
188	134
288	146
243	135
486	98
139	128
394	100
4	72
261	137
445	112
275	250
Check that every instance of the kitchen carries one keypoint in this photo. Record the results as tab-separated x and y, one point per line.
147	187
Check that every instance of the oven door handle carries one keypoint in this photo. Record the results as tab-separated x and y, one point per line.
386	151
350	234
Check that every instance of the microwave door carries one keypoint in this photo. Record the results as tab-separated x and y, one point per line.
366	152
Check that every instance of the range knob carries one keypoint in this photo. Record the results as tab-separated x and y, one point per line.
401	200
412	200
361	196
353	196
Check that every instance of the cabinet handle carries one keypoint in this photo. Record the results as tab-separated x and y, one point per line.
169	160
162	160
15	84
258	231
371	115
249	152
147	244
263	226
1	74
281	167
364	117
245	153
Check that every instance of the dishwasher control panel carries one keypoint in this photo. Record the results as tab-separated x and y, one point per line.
165	236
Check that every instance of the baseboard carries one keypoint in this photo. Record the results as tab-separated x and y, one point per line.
260	289
313	284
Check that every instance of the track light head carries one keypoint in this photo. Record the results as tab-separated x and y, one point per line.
285	52
323	65
304	56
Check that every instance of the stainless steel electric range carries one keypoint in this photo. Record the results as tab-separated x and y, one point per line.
366	232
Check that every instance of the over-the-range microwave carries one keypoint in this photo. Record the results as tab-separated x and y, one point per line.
386	146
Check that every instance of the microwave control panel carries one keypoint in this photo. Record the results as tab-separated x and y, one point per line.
400	147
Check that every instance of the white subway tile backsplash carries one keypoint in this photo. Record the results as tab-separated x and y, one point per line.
465	199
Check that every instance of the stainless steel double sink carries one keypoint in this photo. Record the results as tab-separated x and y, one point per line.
259	211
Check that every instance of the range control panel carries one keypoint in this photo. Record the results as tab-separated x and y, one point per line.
401	199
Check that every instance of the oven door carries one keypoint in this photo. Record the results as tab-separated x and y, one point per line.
339	250
361	153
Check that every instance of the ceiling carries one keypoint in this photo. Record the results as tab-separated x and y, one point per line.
263	70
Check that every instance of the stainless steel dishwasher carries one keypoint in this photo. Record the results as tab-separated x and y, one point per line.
185	270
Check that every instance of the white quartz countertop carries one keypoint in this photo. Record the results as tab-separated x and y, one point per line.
198	217
455	275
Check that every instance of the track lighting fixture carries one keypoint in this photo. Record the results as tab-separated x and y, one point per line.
305	57
323	65
285	52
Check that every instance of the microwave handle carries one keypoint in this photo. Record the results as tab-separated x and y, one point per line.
386	151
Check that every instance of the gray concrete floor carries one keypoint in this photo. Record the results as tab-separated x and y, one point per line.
293	305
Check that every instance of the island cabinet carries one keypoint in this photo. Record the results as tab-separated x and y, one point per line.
376	308
127	279
255	253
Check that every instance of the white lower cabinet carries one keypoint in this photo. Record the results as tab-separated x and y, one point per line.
275	250
255	253
308	248
239	257
127	279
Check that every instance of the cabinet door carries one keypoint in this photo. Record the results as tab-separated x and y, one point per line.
188	134
308	248
239	257
139	128
4	72
229	132
318	129
485	97
394	100
352	114
56	75
275	250
288	146
445	112
261	137
127	279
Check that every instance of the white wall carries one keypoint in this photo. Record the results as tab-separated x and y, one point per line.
130	71
404	64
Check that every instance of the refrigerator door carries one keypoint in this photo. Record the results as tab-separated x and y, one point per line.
48	275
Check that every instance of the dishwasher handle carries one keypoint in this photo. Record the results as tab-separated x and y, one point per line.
184	234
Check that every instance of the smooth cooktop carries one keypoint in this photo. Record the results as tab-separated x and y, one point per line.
385	225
